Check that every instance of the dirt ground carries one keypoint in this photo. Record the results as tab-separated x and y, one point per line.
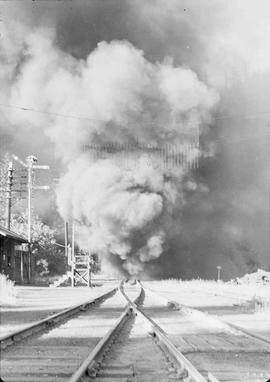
229	307
199	337
36	303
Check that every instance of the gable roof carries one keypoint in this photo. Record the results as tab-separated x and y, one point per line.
12	235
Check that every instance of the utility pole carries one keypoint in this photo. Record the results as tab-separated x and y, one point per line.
30	160
219	270
66	245
9	193
30	166
66	239
73	256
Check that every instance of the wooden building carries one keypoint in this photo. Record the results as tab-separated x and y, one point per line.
15	261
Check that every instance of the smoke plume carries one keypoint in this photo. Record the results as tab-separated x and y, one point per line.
127	210
157	74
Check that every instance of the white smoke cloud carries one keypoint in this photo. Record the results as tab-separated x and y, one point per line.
115	95
232	37
119	95
141	99
108	200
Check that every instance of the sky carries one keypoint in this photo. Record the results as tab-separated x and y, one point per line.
159	73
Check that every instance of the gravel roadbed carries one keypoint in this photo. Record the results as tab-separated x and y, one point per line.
36	303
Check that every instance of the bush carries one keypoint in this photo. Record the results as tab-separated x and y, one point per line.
7	290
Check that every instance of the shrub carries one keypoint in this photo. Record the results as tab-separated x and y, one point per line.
7	290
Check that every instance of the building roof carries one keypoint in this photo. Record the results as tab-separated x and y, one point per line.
12	235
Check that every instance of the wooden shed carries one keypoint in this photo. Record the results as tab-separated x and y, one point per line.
15	261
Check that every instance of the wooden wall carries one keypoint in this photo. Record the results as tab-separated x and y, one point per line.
14	262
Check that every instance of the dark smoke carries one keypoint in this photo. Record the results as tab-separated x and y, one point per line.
225	219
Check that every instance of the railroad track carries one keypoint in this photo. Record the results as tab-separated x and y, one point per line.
113	358
129	337
115	341
187	309
51	349
51	321
228	351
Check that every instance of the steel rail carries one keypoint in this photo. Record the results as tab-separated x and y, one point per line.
91	364
185	368
212	378
48	322
224	321
245	331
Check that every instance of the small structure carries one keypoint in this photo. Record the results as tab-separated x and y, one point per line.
15	261
81	270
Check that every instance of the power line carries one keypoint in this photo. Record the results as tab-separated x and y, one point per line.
49	113
217	117
214	118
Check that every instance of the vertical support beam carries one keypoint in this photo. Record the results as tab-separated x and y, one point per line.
88	271
29	265
69	260
219	271
9	193
198	155
90	268
30	165
12	255
73	256
29	194
90	275
66	244
22	279
268	232
29	161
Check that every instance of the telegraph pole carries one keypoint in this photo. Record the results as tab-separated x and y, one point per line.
30	166
30	160
73	256
219	271
66	245
66	239
9	193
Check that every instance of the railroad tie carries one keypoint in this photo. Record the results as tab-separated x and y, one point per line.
116	371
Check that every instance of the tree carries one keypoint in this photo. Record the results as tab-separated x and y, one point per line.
49	257
95	263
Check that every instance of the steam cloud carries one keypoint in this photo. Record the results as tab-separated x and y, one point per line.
117	83
121	211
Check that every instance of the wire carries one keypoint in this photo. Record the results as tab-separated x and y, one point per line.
51	113
218	117
215	118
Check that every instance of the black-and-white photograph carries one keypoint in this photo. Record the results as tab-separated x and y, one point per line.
135	190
